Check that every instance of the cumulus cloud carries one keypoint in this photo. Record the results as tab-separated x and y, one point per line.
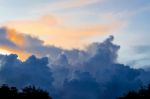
24	45
92	73
100	76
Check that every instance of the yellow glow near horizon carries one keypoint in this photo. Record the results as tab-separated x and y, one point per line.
4	52
7	50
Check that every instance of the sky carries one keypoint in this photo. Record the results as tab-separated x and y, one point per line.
76	23
75	49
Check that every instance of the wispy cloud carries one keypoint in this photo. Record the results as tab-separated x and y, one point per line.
65	5
54	30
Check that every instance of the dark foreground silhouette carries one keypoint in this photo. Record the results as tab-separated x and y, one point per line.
29	92
143	93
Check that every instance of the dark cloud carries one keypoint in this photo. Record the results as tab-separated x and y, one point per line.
92	73
100	76
84	86
33	71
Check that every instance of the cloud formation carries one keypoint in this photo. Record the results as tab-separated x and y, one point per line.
92	73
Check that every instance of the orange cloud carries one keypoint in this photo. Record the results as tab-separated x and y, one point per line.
18	39
59	34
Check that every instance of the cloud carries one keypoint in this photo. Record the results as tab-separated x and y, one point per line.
54	30
67	4
142	57
15	38
33	71
13	42
31	45
142	48
92	73
85	87
100	76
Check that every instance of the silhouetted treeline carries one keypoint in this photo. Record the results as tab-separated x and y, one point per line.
143	93
29	92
